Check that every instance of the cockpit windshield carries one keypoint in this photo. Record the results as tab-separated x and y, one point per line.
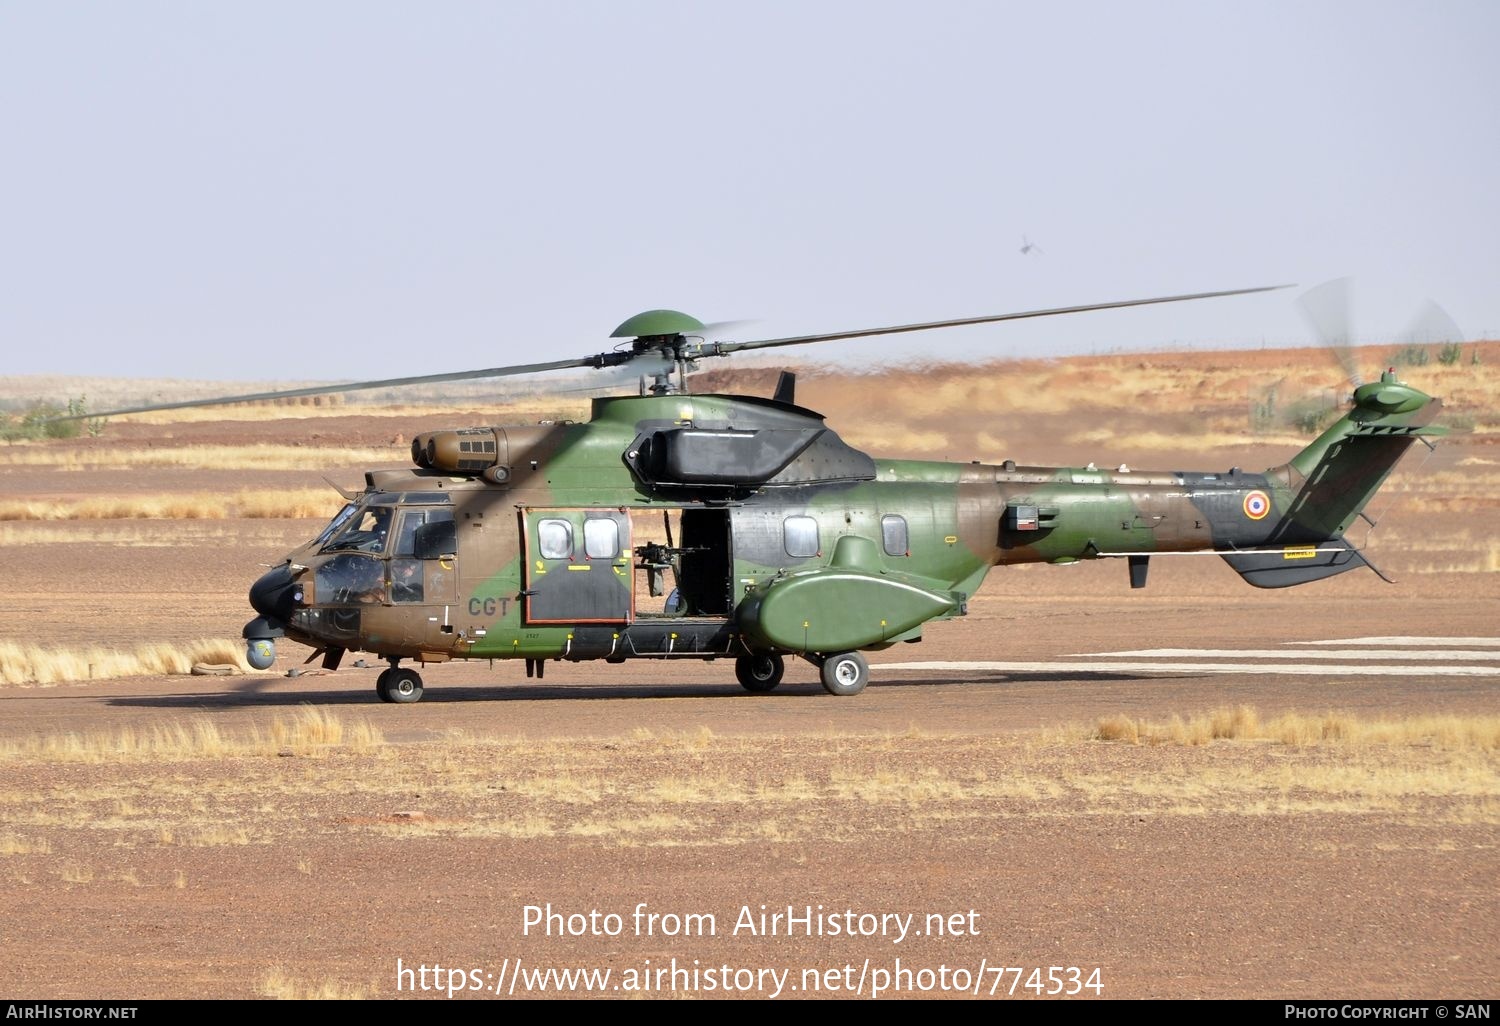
364	529
337	522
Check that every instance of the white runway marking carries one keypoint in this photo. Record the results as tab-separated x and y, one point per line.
1323	670
1420	657
1401	640
1278	653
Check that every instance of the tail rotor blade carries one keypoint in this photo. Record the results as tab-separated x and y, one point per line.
1432	325
1326	309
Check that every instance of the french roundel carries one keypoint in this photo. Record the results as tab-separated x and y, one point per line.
1257	505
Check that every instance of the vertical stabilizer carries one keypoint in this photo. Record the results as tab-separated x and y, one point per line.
1341	471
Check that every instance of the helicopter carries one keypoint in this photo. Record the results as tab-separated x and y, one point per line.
781	540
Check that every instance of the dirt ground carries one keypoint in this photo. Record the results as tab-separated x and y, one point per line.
297	838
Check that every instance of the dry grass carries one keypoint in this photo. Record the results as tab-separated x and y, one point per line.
635	793
309	731
217	836
289	504
566	789
304	503
529	827
1461	491
279	985
697	740
1452	551
74	456
199	739
144	507
145	534
314	727
73	873
1244	723
14	844
628	829
674	790
1483	560
22	663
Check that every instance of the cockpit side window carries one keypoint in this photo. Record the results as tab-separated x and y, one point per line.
412	519
365	531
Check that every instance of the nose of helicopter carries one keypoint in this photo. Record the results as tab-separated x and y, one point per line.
273	595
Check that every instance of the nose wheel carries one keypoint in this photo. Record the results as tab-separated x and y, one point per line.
399	686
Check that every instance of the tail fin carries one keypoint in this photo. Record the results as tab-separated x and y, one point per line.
1341	471
1332	480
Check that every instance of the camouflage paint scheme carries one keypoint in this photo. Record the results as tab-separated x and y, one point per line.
886	546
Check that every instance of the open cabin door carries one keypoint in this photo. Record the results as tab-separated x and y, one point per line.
685	563
578	566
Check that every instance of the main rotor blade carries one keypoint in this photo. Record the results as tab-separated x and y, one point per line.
620	357
355	386
719	348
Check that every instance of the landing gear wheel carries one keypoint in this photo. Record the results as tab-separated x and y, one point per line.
399	686
846	673
759	672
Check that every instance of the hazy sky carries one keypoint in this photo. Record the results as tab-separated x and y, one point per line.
322	190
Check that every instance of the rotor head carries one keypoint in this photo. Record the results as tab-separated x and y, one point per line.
652	323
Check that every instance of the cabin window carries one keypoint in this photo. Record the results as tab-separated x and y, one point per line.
601	539
555	539
801	536
893	534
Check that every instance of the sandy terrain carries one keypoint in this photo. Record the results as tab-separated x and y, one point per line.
259	835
